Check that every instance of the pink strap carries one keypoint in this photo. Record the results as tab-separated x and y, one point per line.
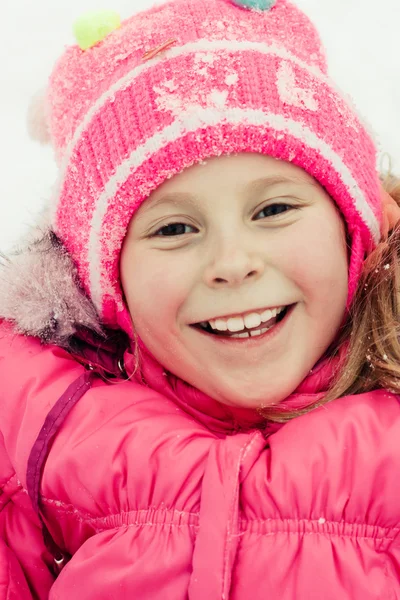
41	449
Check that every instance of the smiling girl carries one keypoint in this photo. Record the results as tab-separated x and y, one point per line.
199	345
229	244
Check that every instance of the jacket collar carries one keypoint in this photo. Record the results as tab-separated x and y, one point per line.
220	418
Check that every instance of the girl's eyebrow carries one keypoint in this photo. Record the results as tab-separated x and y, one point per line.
254	187
173	198
264	182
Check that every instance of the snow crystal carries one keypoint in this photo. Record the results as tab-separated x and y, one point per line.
231	79
170	85
290	92
205	57
218	98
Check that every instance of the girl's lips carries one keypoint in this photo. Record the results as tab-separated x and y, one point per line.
252	340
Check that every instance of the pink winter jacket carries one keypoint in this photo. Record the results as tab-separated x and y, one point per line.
159	493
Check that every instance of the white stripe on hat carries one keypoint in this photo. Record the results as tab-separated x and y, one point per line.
188	122
201	45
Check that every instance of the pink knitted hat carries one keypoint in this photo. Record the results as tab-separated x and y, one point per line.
226	76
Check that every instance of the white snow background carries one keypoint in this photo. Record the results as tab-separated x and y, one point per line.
359	35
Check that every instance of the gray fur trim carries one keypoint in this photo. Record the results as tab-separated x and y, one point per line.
40	293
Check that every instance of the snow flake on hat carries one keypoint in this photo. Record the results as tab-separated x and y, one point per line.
170	98
290	92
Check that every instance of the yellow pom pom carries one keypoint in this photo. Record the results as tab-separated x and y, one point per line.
91	28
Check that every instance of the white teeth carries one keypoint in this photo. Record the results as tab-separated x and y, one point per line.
271	313
248	334
255	332
235	324
220	324
267	315
252	320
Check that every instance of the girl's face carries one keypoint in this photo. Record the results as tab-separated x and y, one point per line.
233	236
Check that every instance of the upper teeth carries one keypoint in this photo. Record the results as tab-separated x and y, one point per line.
249	321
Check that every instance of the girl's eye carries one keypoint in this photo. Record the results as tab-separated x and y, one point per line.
173	230
273	210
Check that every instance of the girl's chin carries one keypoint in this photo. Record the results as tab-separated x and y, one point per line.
240	398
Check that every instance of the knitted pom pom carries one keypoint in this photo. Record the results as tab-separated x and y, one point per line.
91	28
258	5
38	128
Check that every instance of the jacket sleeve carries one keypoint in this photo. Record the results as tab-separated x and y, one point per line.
25	564
24	561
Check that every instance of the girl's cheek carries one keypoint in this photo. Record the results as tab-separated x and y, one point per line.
316	255
156	281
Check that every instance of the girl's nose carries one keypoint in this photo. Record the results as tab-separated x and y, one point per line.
232	265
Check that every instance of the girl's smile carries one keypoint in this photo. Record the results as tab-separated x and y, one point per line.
248	326
235	275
